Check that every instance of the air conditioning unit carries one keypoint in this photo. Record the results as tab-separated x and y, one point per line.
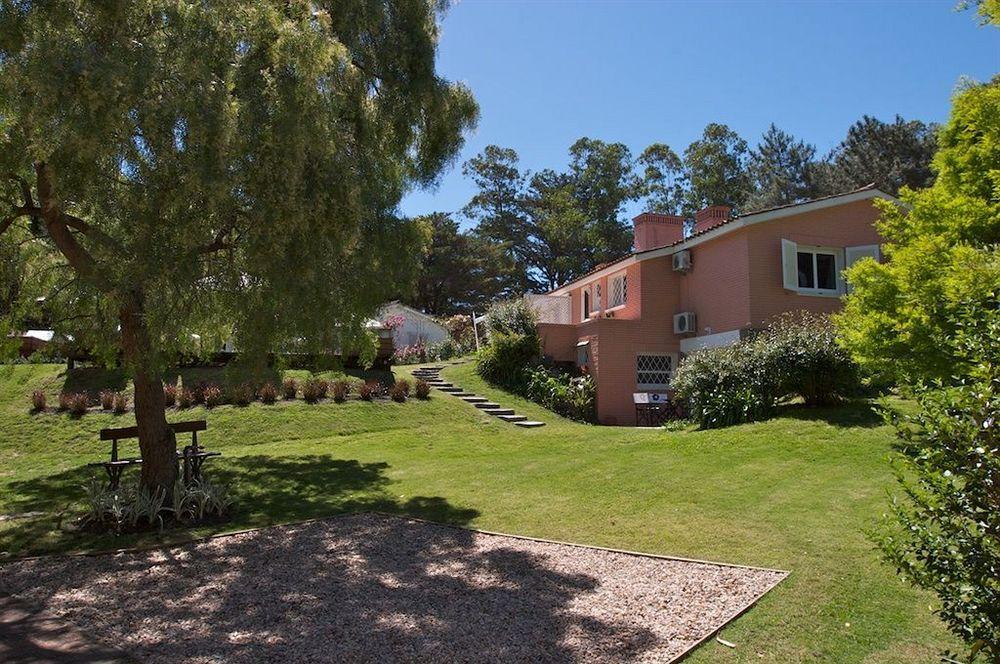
685	323
682	261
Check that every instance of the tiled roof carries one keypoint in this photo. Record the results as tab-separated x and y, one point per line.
730	220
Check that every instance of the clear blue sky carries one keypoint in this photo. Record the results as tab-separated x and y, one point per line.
546	72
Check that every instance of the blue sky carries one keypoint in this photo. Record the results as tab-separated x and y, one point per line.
546	72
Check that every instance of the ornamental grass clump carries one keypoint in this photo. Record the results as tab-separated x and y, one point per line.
185	398
369	391
170	395
289	388
213	396
268	393
107	399
422	389
243	395
119	403
38	401
314	389
65	401
78	404
398	392
340	389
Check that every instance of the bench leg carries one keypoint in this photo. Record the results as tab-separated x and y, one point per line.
114	476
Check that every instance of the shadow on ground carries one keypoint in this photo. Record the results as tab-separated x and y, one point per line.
267	489
860	413
365	589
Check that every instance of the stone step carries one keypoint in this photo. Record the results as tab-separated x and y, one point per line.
474	399
497	412
451	390
486	404
529	424
463	394
512	418
441	383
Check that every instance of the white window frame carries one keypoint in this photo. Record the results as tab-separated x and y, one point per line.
655	386
585	303
597	297
612	281
791	251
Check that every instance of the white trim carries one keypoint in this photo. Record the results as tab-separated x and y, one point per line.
623	274
738	223
691	344
838	262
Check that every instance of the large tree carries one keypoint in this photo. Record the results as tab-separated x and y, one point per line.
889	154
192	165
779	170
603	181
941	248
715	168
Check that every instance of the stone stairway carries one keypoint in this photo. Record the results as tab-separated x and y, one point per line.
433	377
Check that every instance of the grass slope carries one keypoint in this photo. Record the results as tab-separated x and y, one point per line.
794	493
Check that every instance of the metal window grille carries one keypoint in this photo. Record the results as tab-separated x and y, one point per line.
619	291
653	371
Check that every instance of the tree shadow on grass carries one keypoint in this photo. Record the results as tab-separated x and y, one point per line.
92	380
852	414
363	588
267	490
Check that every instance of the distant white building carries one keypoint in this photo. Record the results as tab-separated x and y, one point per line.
417	327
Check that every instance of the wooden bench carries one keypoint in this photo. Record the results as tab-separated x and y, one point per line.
192	456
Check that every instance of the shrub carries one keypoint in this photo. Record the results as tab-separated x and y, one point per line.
413	354
797	355
198	392
504	361
78	404
185	398
571	396
131	508
243	394
340	389
370	390
324	387
403	385
107	399
170	395
268	393
942	534
119	403
289	388
314	389
512	317
38	401
802	352
398	392
212	395
65	400
422	389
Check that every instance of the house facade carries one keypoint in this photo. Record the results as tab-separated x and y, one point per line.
629	322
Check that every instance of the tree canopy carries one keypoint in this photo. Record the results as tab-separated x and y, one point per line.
201	167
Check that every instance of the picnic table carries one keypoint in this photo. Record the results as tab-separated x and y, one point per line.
192	456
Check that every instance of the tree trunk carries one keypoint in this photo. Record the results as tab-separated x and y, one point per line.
157	441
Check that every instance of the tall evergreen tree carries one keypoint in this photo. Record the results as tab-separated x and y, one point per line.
663	182
191	165
779	170
603	176
715	167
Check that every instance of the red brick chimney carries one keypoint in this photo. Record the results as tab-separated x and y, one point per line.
654	230
711	217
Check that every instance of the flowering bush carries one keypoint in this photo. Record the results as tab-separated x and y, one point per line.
414	354
119	403
38	401
289	388
571	396
395	321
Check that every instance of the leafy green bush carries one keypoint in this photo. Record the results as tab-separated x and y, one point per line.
726	385
505	360
129	507
796	355
572	397
511	317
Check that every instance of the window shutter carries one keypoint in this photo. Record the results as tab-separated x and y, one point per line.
789	264
854	254
838	259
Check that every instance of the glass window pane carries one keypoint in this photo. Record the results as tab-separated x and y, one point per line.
826	272
806	277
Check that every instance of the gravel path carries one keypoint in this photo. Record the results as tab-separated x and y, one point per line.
373	588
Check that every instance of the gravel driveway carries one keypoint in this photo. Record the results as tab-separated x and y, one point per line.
374	588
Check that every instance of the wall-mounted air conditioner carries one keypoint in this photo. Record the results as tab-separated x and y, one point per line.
682	261
685	323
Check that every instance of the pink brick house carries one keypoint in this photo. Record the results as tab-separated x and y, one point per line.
630	321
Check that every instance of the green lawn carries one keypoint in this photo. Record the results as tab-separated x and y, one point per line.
794	493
